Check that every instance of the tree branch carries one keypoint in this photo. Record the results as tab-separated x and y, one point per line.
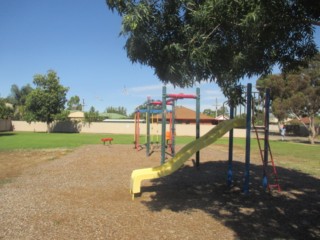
299	119
316	23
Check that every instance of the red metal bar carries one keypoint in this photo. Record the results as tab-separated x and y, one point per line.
181	96
156	103
169	102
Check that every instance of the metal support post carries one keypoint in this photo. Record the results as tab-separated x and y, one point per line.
248	140
163	129
173	130
148	129
230	159
266	138
198	125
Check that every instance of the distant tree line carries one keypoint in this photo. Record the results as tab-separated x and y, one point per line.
296	94
223	110
46	102
119	110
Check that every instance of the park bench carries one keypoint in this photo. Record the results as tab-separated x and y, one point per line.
104	140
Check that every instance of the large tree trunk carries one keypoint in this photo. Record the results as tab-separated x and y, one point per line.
48	127
312	130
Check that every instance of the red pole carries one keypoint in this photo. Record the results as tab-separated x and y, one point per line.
181	95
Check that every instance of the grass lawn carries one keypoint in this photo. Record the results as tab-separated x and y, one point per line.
303	157
292	155
31	140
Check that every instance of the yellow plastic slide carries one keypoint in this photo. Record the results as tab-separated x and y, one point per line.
183	155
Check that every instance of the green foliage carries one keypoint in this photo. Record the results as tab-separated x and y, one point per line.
47	99
209	112
119	110
74	103
18	95
189	41
296	93
92	116
18	98
62	116
6	112
223	110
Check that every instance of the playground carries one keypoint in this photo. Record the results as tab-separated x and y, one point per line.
85	194
201	190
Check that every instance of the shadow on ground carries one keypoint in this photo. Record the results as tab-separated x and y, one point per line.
292	214
7	134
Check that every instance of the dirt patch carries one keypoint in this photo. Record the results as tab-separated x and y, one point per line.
13	163
85	195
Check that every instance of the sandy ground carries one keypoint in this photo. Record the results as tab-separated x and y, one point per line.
84	194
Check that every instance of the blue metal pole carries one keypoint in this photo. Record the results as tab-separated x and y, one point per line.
164	120
266	138
230	175
248	140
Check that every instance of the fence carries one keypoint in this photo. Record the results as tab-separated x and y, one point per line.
112	128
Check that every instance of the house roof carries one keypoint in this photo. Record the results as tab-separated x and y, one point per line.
304	120
184	113
113	116
221	117
76	114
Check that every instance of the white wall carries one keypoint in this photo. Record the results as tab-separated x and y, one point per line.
119	128
22	126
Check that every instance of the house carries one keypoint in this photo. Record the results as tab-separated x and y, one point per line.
116	118
221	118
76	116
113	116
185	115
300	127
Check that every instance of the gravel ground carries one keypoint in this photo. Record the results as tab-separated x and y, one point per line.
85	195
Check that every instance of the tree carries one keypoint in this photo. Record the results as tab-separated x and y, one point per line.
47	99
62	116
18	95
278	93
91	116
209	112
297	94
18	98
223	110
74	103
6	112
189	41
119	110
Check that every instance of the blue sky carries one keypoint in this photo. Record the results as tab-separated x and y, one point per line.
80	41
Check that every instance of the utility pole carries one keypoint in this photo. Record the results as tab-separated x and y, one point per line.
83	104
216	105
